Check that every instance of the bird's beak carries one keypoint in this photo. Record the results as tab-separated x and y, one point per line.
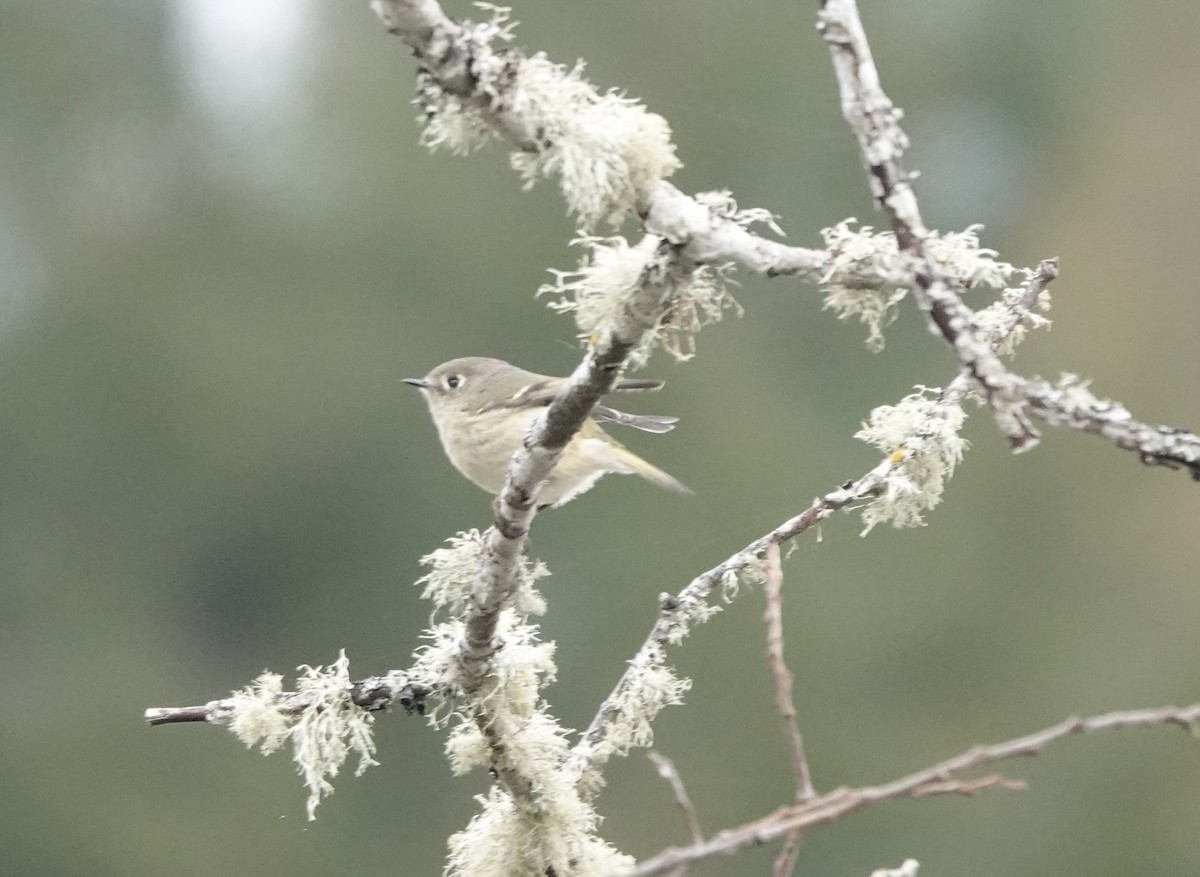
419	383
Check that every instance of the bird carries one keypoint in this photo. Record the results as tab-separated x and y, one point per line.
484	407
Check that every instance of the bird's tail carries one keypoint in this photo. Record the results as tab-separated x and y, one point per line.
626	461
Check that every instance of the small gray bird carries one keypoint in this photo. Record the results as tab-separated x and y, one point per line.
483	408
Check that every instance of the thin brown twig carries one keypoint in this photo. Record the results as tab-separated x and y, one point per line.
785	862
667	770
783	676
938	779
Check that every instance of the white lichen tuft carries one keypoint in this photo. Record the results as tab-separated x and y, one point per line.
609	274
649	687
684	612
437	665
922	435
971	266
874	308
323	725
1005	323
721	204
449	121
508	840
607	150
610	279
747	569
1077	397
467	748
454	573
256	717
868	276
521	667
862	278
503	725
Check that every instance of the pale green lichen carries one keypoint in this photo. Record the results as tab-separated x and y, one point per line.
649	686
921	434
868	275
1006	322
319	720
256	717
744	568
610	278
506	839
606	149
454	574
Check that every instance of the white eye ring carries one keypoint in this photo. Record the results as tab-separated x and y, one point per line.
453	382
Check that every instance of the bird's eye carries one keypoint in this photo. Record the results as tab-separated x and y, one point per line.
453	382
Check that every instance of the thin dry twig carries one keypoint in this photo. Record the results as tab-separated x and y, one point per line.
938	779
667	770
784	680
785	862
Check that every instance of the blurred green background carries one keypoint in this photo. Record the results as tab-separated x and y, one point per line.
221	246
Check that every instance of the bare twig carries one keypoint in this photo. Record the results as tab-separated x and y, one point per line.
938	779
666	769
783	676
784	702
785	862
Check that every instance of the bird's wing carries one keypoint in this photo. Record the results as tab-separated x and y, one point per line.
536	394
638	384
541	392
645	422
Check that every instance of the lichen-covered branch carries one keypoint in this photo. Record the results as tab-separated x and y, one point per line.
611	156
324	720
938	779
874	121
1070	403
373	694
882	143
